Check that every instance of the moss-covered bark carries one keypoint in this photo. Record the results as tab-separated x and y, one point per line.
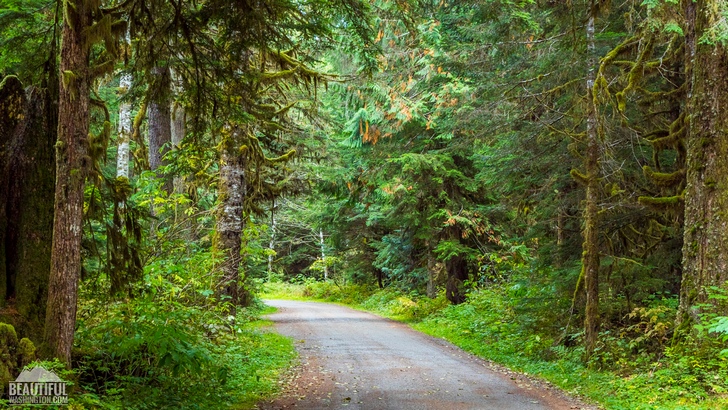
12	105
26	212
705	248
159	118
590	258
72	164
30	213
230	222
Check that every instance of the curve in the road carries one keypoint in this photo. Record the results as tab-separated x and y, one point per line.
356	360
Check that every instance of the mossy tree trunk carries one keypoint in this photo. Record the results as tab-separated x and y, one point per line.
230	221
122	153
72	163
272	243
12	105
590	258
432	275
30	213
177	126
705	247
159	118
28	125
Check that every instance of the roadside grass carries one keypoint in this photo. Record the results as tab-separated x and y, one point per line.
232	367
489	327
261	357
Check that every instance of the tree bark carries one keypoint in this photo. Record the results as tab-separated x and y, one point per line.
271	244
177	127
230	221
12	105
434	275
705	246
30	212
323	253
72	162
122	154
431	275
457	274
590	260
159	118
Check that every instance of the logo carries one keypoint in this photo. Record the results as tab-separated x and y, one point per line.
37	386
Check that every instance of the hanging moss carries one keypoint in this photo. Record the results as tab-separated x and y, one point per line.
665	180
579	177
662	204
283	158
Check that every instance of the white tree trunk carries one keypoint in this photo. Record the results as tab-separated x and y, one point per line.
323	254
122	154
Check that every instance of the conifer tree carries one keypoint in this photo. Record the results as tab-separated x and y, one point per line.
85	24
705	246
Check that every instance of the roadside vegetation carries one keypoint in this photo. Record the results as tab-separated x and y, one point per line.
504	324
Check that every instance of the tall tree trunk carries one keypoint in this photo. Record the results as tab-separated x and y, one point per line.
122	154
457	274
433	273
323	254
590	259
705	247
560	227
30	212
159	118
230	223
271	244
12	105
177	126
72	162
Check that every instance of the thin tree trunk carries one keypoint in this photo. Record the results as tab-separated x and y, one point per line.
590	259
431	276
323	254
559	260
177	126
271	244
705	248
71	168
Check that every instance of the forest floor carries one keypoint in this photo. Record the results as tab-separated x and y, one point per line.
353	359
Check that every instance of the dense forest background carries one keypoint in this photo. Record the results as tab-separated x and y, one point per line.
553	170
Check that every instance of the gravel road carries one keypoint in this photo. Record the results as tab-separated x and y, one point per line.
356	360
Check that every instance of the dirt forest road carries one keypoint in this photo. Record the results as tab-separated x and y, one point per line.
356	360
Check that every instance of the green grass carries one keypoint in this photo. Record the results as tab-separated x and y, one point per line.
260	358
488	327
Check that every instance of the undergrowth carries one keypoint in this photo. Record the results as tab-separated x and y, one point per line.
175	345
635	367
